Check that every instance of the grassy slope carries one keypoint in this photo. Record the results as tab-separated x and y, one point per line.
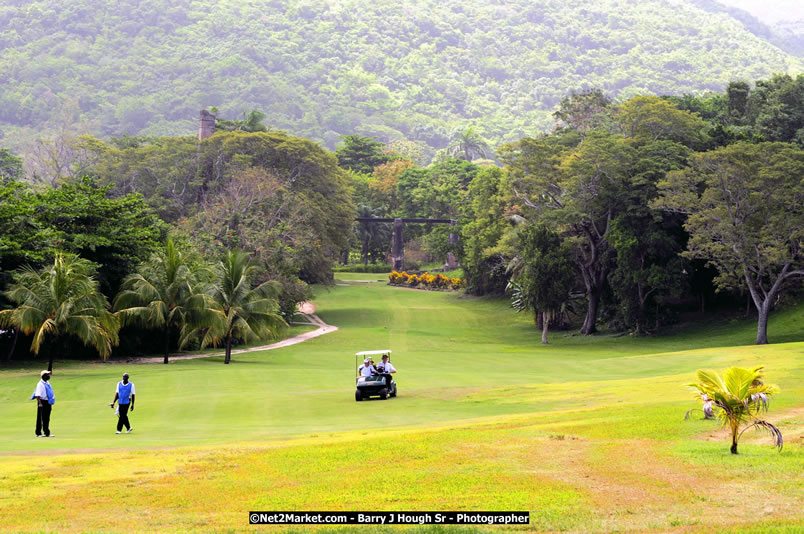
586	433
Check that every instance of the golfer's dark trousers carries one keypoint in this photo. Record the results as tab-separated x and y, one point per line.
123	421
43	419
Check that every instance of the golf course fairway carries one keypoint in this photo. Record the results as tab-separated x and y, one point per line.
586	433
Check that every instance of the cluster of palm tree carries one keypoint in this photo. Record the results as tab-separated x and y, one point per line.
170	292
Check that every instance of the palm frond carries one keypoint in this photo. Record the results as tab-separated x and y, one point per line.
47	327
776	434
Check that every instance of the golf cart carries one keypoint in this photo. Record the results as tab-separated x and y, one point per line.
380	385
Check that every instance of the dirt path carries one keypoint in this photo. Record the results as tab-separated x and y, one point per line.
306	309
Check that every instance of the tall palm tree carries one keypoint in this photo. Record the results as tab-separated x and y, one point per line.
231	309
62	299
157	295
738	398
465	144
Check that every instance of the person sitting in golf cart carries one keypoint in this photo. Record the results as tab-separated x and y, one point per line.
385	367
367	369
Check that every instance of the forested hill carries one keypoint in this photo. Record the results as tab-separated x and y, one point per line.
415	69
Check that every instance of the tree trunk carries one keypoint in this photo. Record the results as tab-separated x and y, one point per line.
762	323
365	253
734	435
545	324
589	322
764	305
167	344
228	356
13	344
50	363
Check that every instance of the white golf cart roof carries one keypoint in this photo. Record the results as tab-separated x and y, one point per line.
372	352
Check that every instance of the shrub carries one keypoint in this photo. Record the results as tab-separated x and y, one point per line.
441	282
427	280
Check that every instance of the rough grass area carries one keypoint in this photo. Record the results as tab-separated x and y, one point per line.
586	433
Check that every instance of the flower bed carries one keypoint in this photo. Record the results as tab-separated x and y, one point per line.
425	281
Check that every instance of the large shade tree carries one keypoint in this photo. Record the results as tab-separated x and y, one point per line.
156	296
545	275
745	207
61	299
579	189
231	309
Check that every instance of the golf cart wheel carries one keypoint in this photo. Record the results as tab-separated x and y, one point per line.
393	393
358	396
383	394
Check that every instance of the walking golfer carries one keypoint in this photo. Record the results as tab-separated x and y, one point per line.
45	399
124	396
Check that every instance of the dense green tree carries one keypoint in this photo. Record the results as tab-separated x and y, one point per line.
484	224
745	207
578	189
281	196
231	309
62	299
114	233
318	190
776	108
361	154
437	191
251	122
545	276
646	243
10	166
651	118
165	171
737	93
584	110
22	239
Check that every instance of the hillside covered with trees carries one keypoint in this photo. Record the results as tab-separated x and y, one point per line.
392	69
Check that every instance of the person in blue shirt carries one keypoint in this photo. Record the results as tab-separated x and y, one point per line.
45	399
124	396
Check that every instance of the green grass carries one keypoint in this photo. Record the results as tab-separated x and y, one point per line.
586	433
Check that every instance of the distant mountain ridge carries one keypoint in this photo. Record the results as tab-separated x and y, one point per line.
395	69
780	22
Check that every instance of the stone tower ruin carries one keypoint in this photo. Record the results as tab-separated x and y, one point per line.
206	125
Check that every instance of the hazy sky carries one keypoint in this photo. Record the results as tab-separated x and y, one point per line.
770	11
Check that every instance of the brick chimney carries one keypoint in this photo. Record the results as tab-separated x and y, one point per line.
206	125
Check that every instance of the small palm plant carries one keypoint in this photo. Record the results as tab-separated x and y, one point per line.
737	399
62	299
231	309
